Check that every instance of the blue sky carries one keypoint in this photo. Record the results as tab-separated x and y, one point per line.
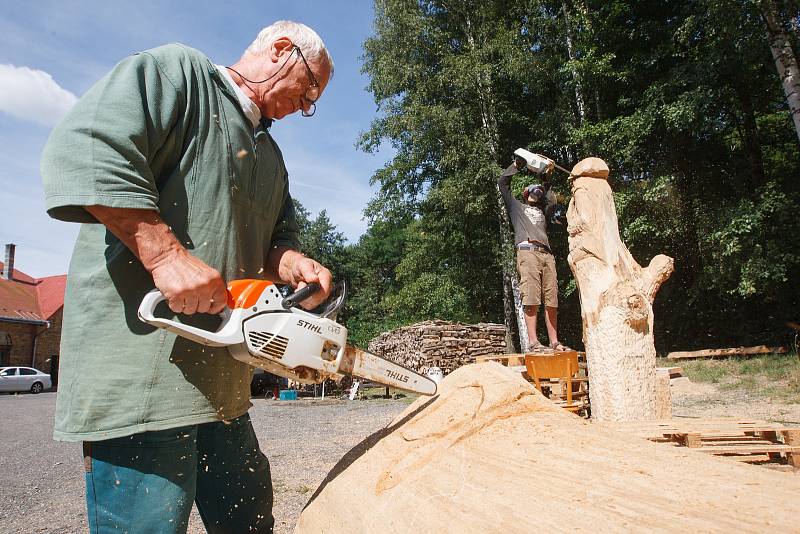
52	51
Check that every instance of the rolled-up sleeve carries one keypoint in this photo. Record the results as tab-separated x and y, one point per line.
101	152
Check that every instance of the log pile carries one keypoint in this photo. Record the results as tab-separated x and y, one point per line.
439	344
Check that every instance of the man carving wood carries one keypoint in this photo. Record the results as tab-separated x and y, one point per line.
535	261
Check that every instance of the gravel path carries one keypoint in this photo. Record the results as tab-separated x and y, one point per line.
42	488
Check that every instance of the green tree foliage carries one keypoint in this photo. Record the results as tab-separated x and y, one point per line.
320	240
682	100
370	267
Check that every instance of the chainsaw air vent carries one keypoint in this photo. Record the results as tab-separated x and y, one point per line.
270	345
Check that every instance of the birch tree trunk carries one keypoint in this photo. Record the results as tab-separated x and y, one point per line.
512	298
579	100
785	60
616	301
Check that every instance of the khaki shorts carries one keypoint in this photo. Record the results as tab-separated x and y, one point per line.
537	274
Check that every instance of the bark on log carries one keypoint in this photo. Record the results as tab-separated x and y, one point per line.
785	60
616	301
735	351
491	454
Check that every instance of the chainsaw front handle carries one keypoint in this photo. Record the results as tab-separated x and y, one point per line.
300	295
229	332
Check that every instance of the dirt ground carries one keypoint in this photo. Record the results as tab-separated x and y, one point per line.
699	399
42	485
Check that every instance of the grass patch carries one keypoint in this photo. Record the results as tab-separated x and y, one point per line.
714	371
776	376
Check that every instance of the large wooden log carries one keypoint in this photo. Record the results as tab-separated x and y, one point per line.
734	351
616	301
491	454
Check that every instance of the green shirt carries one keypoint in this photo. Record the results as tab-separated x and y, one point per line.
162	131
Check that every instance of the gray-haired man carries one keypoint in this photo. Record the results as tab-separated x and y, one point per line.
172	156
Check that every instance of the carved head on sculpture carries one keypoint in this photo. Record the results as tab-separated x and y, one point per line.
591	168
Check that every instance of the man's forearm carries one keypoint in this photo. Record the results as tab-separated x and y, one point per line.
504	185
142	231
188	284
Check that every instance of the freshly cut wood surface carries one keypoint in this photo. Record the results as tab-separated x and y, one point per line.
735	351
663	400
616	295
674	372
490	454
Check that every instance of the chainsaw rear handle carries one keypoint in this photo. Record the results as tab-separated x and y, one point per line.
300	295
229	332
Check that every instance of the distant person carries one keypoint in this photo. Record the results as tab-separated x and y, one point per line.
172	156
535	262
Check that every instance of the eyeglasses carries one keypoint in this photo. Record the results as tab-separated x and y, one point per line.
312	93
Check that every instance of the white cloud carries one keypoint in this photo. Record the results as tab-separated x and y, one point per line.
33	95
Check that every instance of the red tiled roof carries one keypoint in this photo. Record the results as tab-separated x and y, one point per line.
30	298
51	294
19	276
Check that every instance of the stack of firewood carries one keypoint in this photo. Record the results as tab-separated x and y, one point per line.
439	344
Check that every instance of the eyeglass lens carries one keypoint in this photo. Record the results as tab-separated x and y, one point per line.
312	93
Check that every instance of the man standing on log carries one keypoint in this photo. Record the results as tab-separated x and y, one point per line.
169	163
535	262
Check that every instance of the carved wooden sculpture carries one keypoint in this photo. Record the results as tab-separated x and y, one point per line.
490	454
616	301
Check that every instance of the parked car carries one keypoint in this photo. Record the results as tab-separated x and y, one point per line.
23	379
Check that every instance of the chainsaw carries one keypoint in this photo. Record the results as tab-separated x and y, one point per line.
264	329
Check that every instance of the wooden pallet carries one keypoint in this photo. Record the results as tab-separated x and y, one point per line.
674	372
729	437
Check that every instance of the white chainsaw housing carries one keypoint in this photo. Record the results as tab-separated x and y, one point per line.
294	344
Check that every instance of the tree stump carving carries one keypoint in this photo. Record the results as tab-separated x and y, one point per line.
616	300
